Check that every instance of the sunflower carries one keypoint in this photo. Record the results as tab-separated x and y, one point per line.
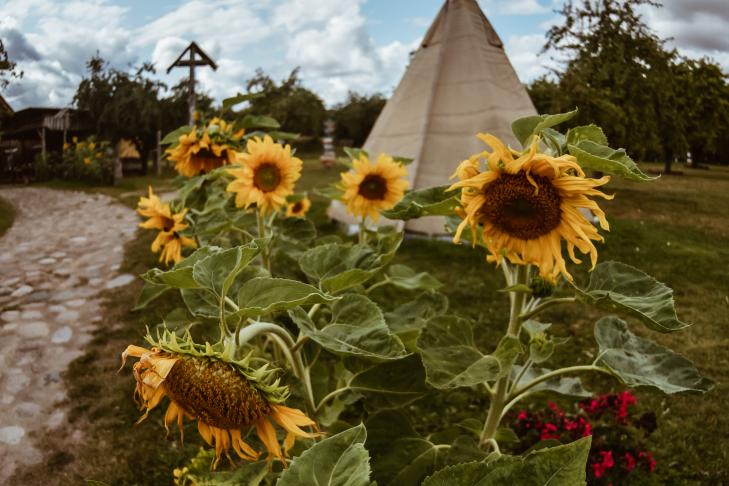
371	188
298	209
225	397
527	204
169	224
268	175
193	155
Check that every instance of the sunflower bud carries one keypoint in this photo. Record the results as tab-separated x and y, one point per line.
541	287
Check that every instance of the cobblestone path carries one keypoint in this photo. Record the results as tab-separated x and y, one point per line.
62	252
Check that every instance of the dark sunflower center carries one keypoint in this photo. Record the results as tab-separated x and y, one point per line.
515	207
297	207
212	391
267	177
169	224
205	156
373	187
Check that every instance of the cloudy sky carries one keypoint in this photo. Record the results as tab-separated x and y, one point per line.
341	45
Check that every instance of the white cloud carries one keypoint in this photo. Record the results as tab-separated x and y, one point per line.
697	28
514	7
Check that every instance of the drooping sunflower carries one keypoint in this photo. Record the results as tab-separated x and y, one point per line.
527	204
226	397
268	174
198	153
298	209
169	224
370	188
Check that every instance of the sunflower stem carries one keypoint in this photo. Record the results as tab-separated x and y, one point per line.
331	395
552	374
262	233
362	231
546	305
286	344
498	398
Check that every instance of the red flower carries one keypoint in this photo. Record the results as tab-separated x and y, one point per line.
629	461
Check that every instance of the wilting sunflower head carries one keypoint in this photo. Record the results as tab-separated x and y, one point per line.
199	154
268	174
527	203
370	188
298	209
225	396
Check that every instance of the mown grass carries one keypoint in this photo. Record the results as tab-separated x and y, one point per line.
7	215
674	228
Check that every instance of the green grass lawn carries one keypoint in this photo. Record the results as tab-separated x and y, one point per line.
7	215
674	228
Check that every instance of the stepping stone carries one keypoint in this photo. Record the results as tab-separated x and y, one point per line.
9	316
68	316
12	434
21	291
31	315
28	409
33	330
76	302
120	281
62	335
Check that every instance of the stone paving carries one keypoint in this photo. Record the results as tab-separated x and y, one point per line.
63	250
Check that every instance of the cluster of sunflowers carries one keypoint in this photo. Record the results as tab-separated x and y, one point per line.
321	303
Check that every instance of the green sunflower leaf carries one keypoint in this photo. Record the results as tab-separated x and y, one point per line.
434	201
339	460
554	466
239	98
586	132
149	293
357	328
620	288
264	295
400	457
173	137
338	267
452	360
525	128
405	277
641	362
218	271
257	121
355	153
591	155
391	385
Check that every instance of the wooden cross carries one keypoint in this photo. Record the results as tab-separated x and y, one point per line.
203	60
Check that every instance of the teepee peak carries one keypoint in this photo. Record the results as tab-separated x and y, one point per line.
459	82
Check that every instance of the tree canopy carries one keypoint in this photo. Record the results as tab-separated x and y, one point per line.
623	77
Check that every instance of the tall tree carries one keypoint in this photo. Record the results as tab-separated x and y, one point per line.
296	108
705	108
356	116
621	76
122	105
8	68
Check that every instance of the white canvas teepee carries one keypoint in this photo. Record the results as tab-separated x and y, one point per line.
459	83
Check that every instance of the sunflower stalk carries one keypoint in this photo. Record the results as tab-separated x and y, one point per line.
546	305
262	233
519	275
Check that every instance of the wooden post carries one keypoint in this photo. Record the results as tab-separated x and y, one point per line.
158	158
191	89
191	62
